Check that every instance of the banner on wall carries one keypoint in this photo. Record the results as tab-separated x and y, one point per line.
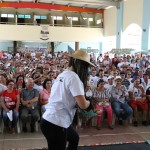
44	32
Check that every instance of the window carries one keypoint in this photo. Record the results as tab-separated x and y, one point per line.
90	19
59	18
99	21
38	17
27	16
54	17
4	15
43	17
75	18
20	16
11	15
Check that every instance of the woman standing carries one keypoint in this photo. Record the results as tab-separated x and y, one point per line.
102	96
10	100
67	92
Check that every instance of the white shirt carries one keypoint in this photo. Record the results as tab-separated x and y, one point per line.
136	92
2	88
61	109
93	81
38	87
33	54
104	78
108	86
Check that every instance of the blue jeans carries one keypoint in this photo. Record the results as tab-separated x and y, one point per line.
127	110
7	121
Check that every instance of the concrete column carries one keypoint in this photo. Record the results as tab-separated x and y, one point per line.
52	21
16	18
70	22
77	45
145	44
119	24
15	47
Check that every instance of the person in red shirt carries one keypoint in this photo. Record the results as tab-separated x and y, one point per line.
10	100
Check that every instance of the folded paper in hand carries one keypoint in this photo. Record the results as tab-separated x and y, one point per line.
9	114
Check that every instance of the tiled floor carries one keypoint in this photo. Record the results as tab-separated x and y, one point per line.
88	136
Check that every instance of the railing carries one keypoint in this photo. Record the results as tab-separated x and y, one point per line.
63	25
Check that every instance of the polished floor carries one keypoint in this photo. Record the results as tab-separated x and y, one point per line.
88	136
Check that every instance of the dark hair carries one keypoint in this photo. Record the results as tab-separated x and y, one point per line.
81	68
40	68
8	81
44	83
100	81
100	70
23	84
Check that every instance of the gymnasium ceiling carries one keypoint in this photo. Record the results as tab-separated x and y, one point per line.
95	4
61	5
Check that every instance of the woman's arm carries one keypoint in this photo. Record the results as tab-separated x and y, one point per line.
3	104
42	101
82	102
17	103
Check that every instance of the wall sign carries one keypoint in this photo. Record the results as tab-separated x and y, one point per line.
44	32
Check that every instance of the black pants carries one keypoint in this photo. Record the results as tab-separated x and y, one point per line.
57	136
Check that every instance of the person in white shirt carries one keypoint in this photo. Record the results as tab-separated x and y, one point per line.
124	63
110	82
2	88
101	75
33	54
93	79
66	94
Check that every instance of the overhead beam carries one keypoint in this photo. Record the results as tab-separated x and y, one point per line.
46	6
101	2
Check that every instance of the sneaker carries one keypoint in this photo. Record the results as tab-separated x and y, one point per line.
8	129
135	123
32	128
145	123
111	127
12	131
98	128
120	122
25	129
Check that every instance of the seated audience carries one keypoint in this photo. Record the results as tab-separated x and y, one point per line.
20	82
138	101
119	100
10	100
102	97
29	100
45	93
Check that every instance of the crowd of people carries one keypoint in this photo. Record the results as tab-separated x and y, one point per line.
118	83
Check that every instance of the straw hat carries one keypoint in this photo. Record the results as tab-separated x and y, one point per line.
81	55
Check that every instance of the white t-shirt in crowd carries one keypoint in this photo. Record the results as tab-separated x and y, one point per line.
38	87
104	78
93	81
61	107
2	88
108	86
136	92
